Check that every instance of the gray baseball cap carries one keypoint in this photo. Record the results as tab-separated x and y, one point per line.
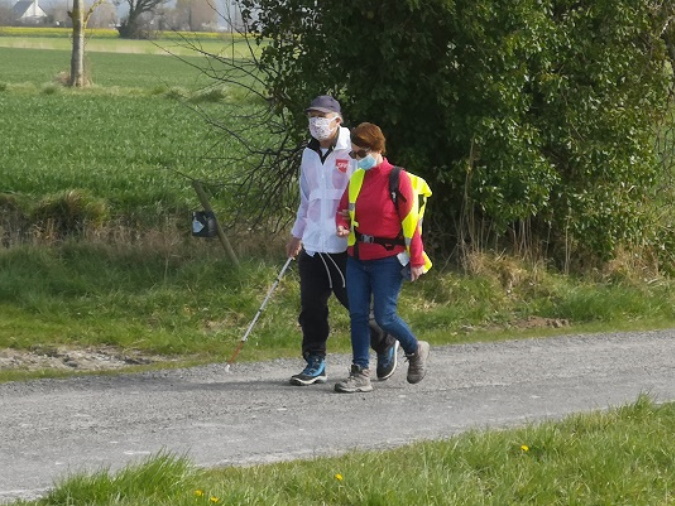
324	103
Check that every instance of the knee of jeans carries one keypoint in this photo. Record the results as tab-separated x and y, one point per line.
358	316
386	321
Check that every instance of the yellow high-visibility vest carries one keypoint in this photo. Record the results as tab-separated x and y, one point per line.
411	222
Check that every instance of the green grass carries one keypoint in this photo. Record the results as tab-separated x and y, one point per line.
181	297
121	70
623	456
115	146
116	139
109	33
182	44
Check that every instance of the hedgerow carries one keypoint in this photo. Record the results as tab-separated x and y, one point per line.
533	119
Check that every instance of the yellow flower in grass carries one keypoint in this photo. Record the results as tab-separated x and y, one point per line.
525	448
214	499
199	493
339	477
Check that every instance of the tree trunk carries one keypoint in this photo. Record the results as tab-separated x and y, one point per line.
77	59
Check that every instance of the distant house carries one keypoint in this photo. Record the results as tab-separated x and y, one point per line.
28	11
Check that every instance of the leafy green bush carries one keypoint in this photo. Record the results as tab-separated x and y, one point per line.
533	120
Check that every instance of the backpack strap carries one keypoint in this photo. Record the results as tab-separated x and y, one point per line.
394	192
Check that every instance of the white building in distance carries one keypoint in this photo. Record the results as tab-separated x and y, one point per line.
28	11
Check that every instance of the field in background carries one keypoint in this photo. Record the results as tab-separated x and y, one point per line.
142	115
105	33
131	69
103	40
225	47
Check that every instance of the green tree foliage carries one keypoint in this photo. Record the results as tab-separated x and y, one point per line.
532	119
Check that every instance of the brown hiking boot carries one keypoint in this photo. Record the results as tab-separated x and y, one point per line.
417	362
358	381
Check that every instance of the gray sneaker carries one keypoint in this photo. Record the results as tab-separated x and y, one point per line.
417	362
358	381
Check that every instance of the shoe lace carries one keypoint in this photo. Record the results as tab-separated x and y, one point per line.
352	378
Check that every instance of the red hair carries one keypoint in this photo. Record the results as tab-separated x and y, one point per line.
369	136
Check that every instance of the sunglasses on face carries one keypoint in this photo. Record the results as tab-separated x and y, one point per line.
357	155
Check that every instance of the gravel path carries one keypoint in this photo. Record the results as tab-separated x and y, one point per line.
52	428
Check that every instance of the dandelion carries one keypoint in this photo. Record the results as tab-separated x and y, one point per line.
214	499
339	477
199	493
525	448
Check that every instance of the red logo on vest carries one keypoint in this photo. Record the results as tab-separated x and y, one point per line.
342	165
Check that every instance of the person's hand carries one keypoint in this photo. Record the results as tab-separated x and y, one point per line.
342	231
416	272
293	247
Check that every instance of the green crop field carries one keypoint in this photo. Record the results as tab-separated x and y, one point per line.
127	70
113	146
107	41
143	114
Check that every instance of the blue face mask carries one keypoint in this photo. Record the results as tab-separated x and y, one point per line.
367	163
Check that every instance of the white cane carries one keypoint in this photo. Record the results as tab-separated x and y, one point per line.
257	315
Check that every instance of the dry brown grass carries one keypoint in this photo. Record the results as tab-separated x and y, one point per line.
638	265
170	238
509	272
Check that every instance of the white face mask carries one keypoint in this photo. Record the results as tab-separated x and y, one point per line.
322	128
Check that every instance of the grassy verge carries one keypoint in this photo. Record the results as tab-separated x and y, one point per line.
623	456
185	300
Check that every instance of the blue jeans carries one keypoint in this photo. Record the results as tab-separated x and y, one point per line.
382	280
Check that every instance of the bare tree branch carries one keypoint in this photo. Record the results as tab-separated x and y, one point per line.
91	10
260	176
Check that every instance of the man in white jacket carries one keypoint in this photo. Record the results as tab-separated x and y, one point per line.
324	173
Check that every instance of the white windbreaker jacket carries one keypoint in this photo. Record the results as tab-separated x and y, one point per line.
322	183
